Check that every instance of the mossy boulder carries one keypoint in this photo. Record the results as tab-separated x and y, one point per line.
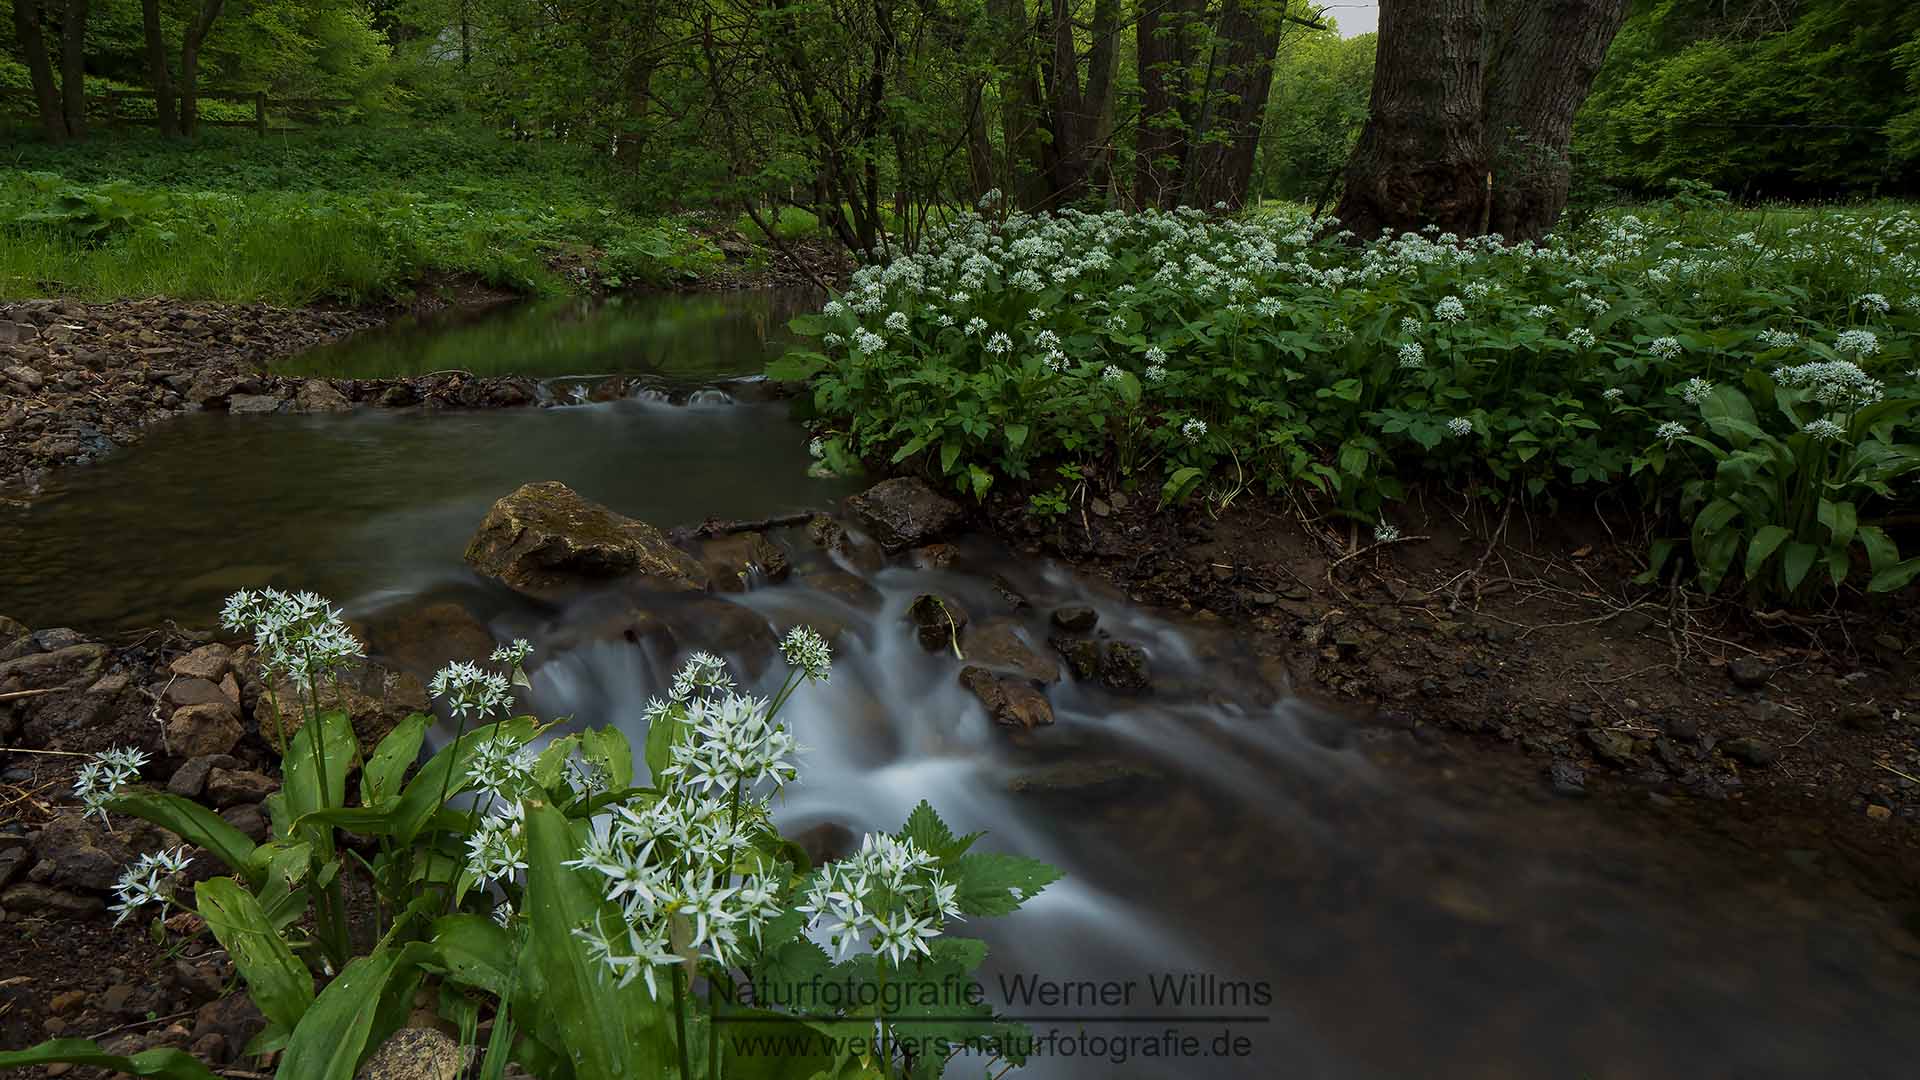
547	540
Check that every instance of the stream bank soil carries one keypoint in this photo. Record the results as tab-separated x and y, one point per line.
1537	645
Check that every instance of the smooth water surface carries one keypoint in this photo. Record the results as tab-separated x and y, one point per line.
675	336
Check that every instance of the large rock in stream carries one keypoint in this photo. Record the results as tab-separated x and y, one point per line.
546	540
904	512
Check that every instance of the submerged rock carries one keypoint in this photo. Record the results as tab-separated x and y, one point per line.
1085	780
938	620
1077	619
904	512
732	561
1123	667
997	643
1009	701
545	539
422	638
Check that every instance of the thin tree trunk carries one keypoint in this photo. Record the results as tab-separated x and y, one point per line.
1422	158
190	66
1019	105
157	72
46	96
1542	69
73	68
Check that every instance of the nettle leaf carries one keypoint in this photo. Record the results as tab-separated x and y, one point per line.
928	832
993	884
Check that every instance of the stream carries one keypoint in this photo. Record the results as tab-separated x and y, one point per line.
1387	911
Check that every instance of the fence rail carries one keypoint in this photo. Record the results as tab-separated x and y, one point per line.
263	106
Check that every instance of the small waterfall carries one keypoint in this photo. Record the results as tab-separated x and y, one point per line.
708	398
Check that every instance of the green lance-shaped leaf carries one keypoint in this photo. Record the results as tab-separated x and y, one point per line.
198	825
168	1063
380	780
609	1032
330	1040
279	984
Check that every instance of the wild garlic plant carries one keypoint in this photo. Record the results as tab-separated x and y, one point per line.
1009	345
523	870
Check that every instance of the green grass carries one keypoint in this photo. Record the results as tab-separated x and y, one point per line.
348	215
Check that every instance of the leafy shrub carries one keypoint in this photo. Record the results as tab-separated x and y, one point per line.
541	883
1220	353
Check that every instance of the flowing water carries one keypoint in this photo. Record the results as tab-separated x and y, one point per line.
1357	907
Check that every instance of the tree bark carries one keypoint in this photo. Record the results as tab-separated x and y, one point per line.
73	68
1544	64
1082	116
157	68
1020	106
196	35
1164	52
46	96
1220	164
1422	158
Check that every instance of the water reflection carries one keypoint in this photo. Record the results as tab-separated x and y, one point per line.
674	336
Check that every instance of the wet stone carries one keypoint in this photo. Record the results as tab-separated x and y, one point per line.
1077	619
937	620
1749	672
1753	752
1613	747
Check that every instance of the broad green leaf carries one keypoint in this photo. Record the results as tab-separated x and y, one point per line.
1882	552
397	752
992	884
279	984
1896	576
1797	561
329	1041
609	1032
608	748
168	1063
475	951
198	825
1179	485
1761	548
302	768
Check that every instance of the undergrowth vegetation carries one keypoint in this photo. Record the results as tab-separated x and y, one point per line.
295	219
595	927
1749	376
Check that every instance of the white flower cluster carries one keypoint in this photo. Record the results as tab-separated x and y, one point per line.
1837	384
1695	390
148	881
1670	432
470	691
300	636
890	896
1824	430
1778	339
100	779
1413	356
1194	429
736	744
1666	348
805	650
1860	343
1460	425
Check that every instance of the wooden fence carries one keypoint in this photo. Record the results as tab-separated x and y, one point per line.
107	107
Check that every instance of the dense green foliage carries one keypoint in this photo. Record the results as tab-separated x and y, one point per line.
1209	356
299	218
1761	98
1319	104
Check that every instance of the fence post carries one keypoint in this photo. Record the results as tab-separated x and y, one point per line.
260	111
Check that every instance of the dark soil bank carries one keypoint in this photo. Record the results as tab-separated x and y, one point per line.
1538	643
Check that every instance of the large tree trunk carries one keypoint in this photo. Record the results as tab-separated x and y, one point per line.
46	96
1220	164
1082	116
157	68
1164	52
196	35
1422	158
73	68
1544	64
